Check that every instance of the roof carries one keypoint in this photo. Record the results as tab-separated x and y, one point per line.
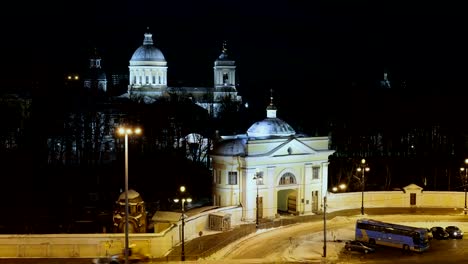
166	216
270	127
230	147
147	51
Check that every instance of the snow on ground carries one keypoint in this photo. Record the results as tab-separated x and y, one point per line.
310	246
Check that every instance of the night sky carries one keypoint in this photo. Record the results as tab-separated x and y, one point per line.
289	46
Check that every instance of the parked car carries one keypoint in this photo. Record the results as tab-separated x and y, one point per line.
439	233
454	232
355	245
133	258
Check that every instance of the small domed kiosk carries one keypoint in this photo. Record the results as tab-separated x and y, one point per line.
137	213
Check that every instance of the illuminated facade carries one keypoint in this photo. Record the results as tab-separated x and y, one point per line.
148	79
293	169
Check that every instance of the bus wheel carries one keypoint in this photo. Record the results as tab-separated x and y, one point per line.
372	241
406	248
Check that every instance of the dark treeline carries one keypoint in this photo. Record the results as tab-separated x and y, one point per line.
412	133
64	161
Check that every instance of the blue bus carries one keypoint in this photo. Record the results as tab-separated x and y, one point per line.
408	238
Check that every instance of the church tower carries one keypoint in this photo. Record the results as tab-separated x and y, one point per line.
224	73
95	81
224	79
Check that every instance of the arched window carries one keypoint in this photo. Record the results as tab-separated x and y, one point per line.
287	178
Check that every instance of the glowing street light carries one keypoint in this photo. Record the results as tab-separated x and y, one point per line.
464	174
340	187
362	168
126	131
183	199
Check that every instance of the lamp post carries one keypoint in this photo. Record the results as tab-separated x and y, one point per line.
464	175
324	226
258	180
183	199
126	131
362	168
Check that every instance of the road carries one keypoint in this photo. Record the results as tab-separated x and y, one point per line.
295	244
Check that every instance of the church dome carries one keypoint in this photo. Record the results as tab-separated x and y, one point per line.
133	195
223	59
270	127
147	51
230	147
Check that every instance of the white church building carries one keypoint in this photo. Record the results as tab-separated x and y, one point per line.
285	171
148	70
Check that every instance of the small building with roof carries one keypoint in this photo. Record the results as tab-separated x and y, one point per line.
271	170
137	222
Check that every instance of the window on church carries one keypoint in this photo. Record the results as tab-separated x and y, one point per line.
287	178
147	79
154	79
315	173
218	177
225	78
232	175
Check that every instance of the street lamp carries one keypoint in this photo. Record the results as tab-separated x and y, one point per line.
340	187
362	167
183	199
464	174
126	131
259	180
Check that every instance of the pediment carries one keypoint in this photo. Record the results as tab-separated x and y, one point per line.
292	147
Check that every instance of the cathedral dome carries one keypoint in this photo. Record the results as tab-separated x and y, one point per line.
270	127
147	51
230	147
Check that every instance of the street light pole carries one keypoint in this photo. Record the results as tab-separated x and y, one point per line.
465	182
127	131
258	178
183	200
324	226
126	199
182	252
362	167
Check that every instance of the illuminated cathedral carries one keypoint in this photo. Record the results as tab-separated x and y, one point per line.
148	79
